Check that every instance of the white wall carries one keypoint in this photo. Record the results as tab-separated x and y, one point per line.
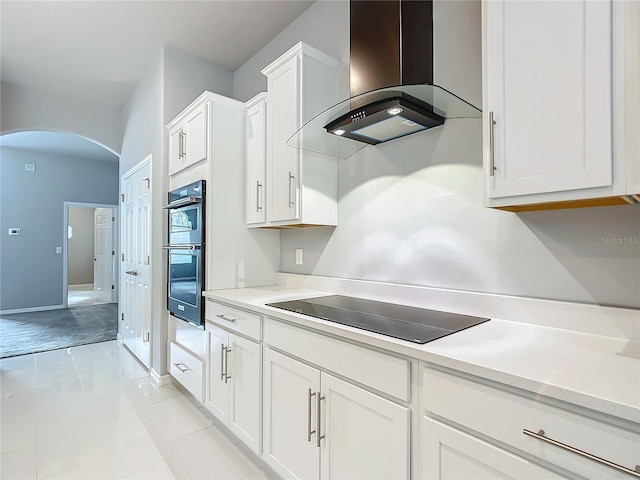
80	246
32	271
171	82
411	211
25	109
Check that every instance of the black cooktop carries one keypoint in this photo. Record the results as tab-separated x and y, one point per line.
417	325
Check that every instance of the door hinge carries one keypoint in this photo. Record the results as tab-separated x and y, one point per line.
113	252
122	197
123	257
148	260
148	335
113	219
113	287
122	317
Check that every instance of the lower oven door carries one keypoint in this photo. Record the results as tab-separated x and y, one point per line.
186	283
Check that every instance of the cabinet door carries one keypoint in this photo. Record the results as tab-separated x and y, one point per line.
290	416
449	454
195	141
176	161
548	74
217	397
256	163
366	436
283	111
245	372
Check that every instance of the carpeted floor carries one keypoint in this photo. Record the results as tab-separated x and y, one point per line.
24	333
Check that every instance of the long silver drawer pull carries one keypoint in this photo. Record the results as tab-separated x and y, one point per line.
540	436
226	365
309	431
492	157
228	319
222	362
291	177
258	187
319	436
177	365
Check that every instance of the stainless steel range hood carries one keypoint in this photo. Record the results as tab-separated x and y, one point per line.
391	78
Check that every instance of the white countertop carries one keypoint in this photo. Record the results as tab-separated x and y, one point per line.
601	373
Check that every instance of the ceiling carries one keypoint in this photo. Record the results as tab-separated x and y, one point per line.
97	51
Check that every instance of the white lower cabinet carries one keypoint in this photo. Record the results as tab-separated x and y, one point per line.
558	438
450	454
319	426
234	377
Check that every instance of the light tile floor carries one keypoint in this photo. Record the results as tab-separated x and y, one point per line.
82	295
92	412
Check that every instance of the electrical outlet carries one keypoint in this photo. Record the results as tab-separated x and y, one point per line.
298	256
29	167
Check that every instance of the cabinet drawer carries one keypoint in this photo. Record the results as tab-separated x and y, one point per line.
186	369
382	372
241	321
504	415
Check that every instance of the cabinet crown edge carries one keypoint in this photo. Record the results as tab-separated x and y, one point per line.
298	49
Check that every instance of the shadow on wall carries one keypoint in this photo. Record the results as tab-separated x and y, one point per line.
599	247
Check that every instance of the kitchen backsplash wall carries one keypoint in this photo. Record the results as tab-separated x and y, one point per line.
411	211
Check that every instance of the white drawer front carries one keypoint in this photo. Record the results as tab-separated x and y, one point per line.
187	335
504	415
382	372
186	369
238	320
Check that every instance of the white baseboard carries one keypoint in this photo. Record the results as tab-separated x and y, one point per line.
119	338
160	380
31	309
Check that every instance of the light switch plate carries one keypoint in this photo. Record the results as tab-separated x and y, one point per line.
14	231
298	256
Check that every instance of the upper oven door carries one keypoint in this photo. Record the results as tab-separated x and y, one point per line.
185	225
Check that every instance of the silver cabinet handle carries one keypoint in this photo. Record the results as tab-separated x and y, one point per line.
226	365
183	370
291	177
541	436
180	144
222	362
319	436
258	187
228	319
492	158
309	431
184	144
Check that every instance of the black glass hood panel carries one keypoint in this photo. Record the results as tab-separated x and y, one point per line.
417	325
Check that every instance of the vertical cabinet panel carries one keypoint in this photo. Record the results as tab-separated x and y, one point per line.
548	72
289	416
244	369
366	436
282	122
257	159
449	454
195	148
234	377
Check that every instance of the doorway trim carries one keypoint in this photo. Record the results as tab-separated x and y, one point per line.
65	248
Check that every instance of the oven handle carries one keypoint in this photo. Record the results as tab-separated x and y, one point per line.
181	247
183	201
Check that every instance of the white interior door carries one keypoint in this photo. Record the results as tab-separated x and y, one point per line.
103	254
136	256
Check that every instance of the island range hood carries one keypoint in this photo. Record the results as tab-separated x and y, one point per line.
391	81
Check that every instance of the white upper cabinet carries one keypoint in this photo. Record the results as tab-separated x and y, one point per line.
257	160
188	138
552	89
301	185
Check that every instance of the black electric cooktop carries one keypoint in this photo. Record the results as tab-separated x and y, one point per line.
417	325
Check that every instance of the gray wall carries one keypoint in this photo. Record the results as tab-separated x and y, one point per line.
25	109
411	211
80	246
171	82
32	271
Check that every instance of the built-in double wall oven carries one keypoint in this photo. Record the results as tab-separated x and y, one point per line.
185	252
